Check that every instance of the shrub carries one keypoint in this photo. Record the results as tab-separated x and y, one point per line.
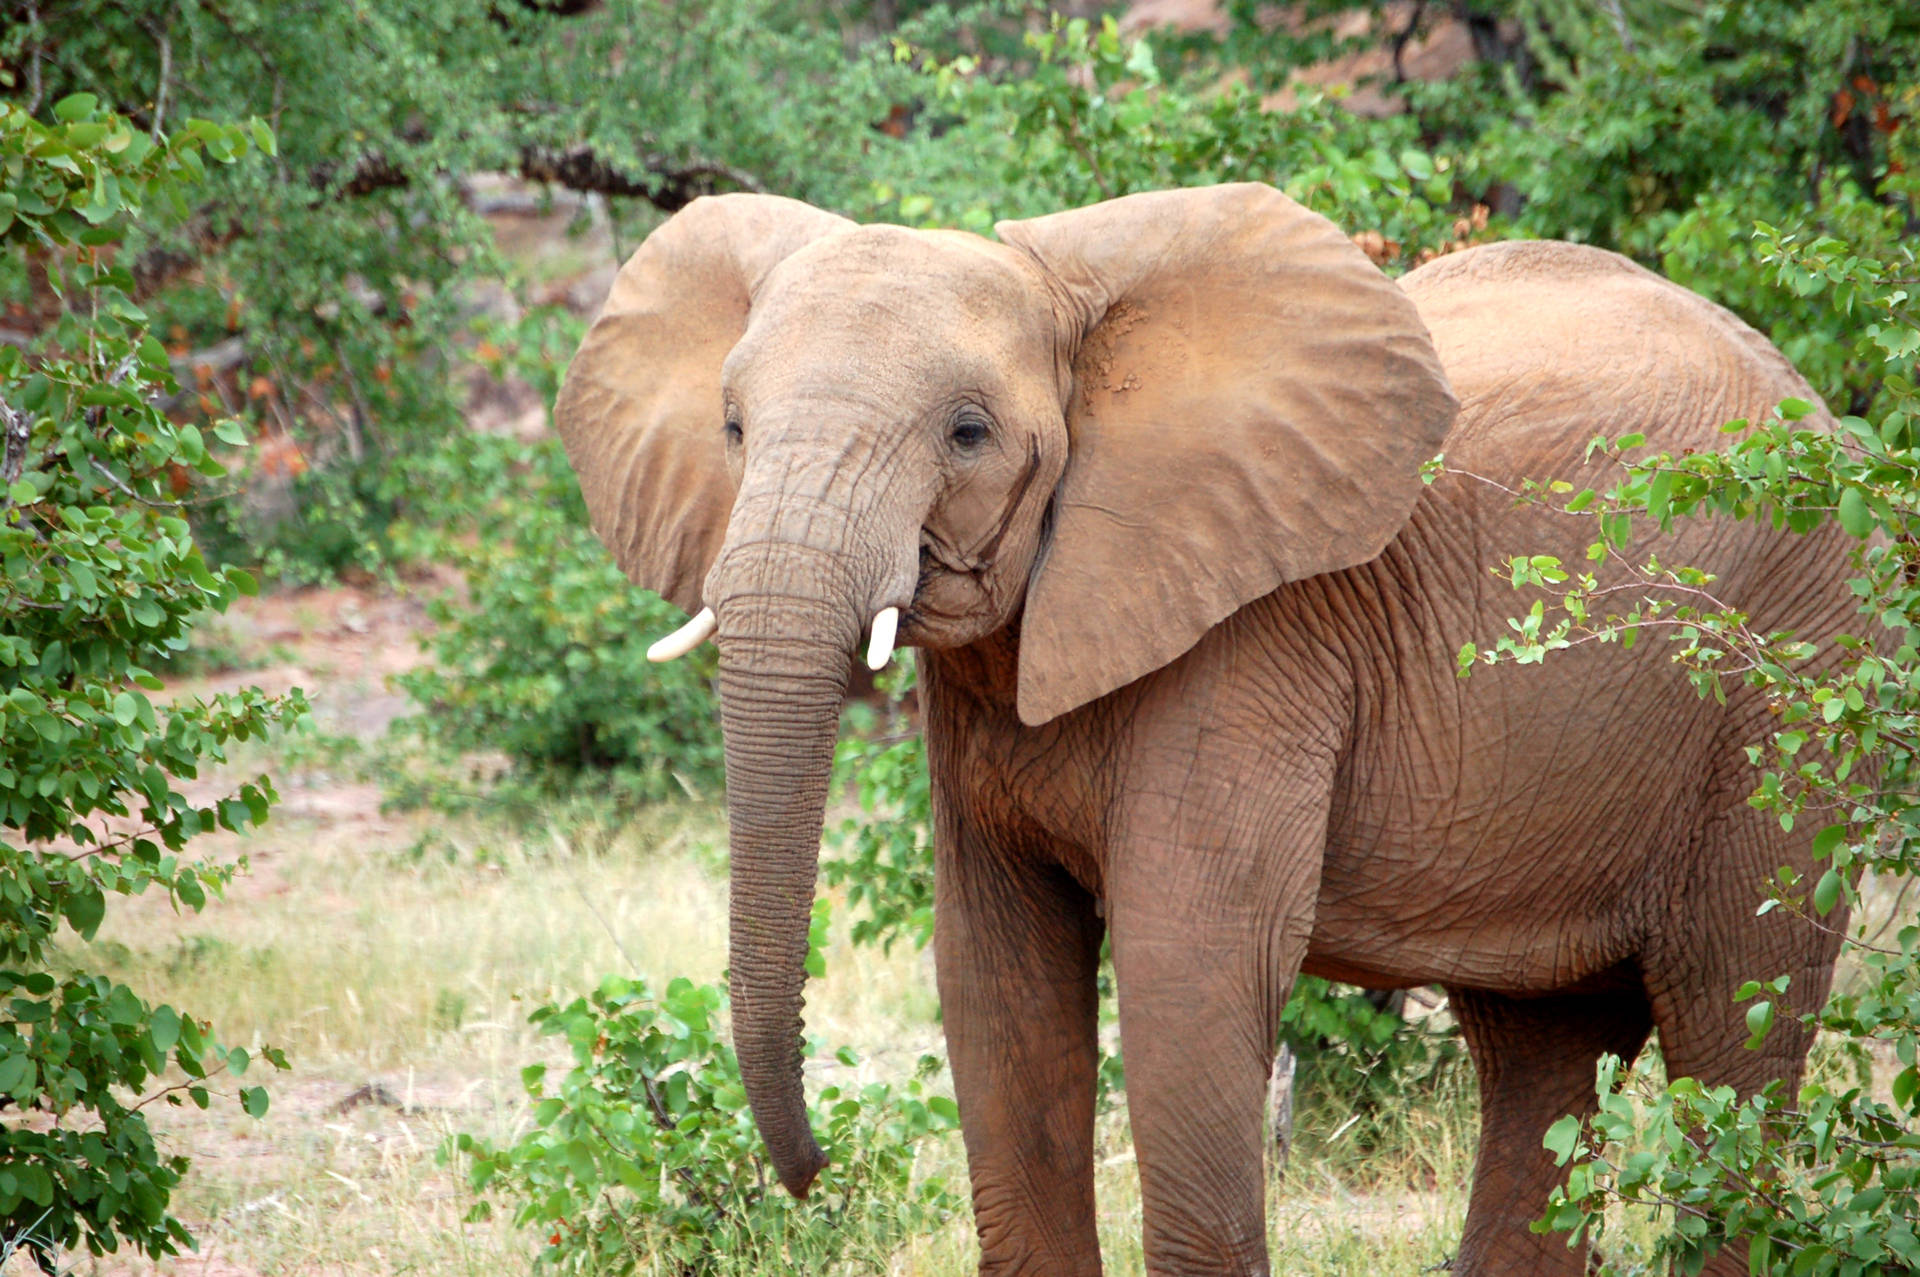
885	860
1362	1068
542	659
645	1157
102	580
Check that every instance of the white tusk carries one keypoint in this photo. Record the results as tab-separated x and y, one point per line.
686	638
880	647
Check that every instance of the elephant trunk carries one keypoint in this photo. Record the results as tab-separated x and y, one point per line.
783	675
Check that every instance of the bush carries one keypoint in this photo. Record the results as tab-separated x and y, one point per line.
1088	114
645	1156
102	581
542	659
1363	1070
885	860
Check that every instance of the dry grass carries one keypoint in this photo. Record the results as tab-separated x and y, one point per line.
401	955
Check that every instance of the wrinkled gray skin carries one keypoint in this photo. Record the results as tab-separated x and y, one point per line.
1303	784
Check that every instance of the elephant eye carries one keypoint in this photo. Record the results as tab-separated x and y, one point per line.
970	429
732	428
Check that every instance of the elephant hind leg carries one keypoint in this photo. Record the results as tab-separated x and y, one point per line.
1714	943
1535	1059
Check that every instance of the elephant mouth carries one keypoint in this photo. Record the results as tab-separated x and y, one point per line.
953	587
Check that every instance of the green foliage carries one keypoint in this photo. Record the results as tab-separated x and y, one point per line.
645	1152
1089	115
347	264
1652	109
102	580
542	657
885	860
1355	1054
1826	1180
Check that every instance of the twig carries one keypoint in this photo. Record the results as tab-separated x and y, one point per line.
159	34
121	484
19	432
357	423
1533	497
1620	27
1079	147
34	86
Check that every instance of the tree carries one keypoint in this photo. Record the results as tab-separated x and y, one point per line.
102	580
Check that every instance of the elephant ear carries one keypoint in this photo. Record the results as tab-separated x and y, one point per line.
640	410
1251	404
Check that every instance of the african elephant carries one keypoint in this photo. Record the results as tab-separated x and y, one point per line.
1143	483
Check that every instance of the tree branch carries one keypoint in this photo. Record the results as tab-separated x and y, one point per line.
35	88
19	431
165	45
667	185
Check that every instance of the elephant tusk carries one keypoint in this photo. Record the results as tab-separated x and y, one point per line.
880	647
686	638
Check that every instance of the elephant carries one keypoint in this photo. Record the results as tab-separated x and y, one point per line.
1144	483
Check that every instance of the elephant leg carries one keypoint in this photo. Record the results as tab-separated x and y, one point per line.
1714	943
1210	917
1018	949
1535	1059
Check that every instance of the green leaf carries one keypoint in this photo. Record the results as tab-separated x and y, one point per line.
16	1070
254	1100
1826	893
1562	1138
1827	839
75	106
1855	515
164	1028
84	906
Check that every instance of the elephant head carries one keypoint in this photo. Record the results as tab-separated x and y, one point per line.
1111	429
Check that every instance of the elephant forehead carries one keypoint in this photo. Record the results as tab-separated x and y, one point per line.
898	289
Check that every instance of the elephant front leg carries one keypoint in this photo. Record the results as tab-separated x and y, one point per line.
1210	923
1018	945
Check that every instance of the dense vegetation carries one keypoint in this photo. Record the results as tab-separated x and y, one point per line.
103	580
191	196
